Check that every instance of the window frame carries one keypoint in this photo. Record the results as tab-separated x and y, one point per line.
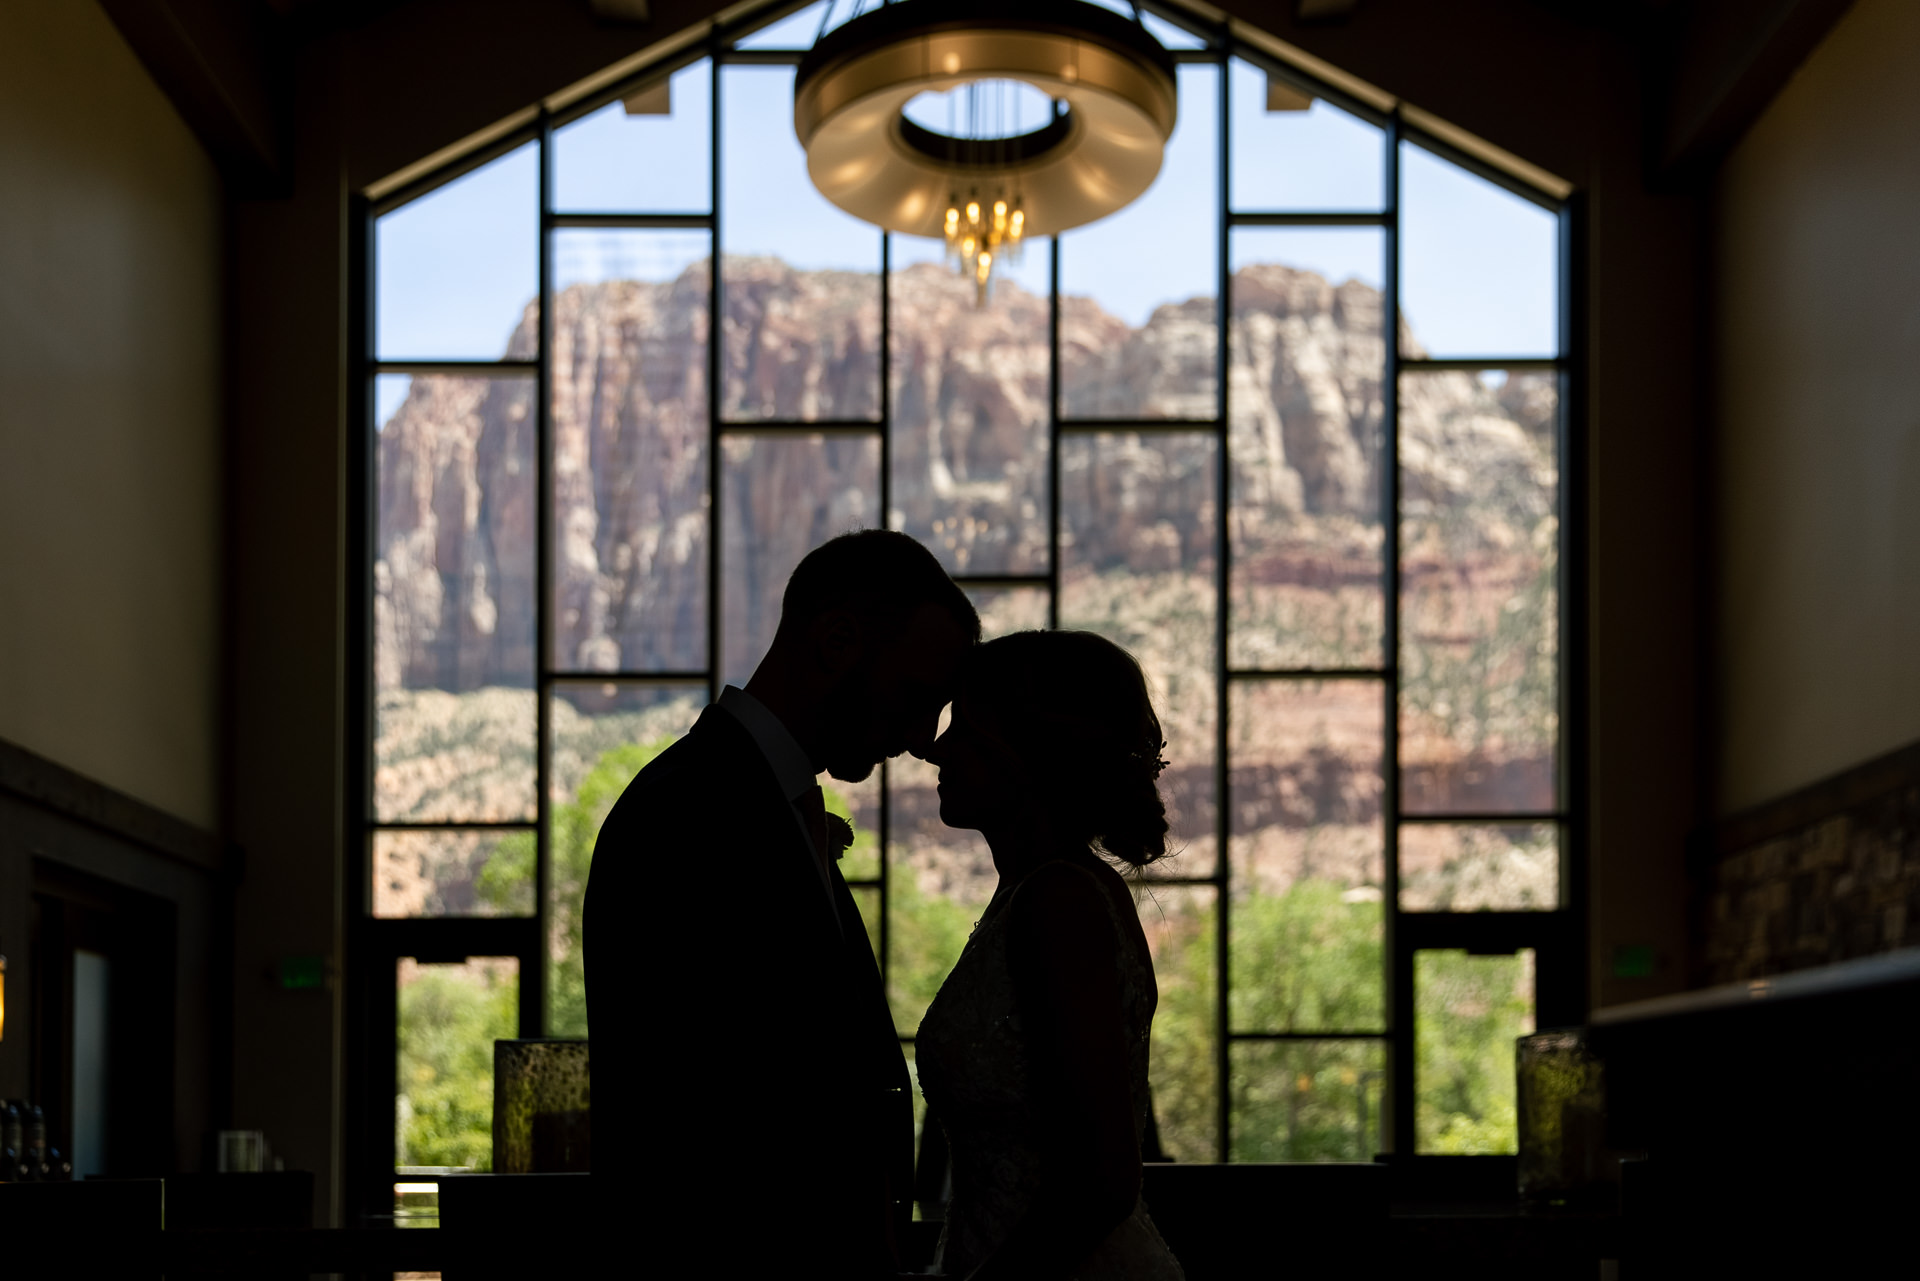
1558	936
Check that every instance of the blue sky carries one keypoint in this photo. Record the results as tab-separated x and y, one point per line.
457	267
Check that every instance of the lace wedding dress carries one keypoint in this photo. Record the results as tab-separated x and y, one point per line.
971	1052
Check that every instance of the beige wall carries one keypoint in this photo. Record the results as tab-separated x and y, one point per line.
110	417
1818	435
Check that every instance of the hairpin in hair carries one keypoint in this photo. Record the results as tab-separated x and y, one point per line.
1152	755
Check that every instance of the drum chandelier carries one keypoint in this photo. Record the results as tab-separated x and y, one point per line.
982	188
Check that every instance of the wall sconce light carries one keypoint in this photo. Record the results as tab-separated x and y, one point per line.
3	996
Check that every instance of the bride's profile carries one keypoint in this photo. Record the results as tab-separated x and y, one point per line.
1034	1053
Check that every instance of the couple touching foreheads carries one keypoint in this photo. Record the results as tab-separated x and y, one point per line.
751	1106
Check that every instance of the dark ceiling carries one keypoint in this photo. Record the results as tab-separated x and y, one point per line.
1708	66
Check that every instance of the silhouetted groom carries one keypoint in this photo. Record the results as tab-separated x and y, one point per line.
750	1101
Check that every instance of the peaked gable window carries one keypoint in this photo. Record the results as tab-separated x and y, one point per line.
1291	428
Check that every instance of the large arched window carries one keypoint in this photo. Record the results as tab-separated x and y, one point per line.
1336	543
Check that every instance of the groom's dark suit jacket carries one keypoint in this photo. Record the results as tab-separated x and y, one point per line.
749	1094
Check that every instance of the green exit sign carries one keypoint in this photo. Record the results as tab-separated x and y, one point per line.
1633	961
302	972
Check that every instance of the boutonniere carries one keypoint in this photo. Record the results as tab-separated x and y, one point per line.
839	835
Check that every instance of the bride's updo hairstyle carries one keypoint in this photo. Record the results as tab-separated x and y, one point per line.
1074	706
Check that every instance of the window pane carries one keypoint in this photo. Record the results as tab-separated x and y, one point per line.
1479	265
452	874
1139	559
1474	867
454	626
1169	35
416	1204
456	271
1009	609
859	805
652	153
1479	710
797	30
1308	856
1307	1100
1138	324
801	333
449	1018
940	880
1291	152
603	735
630	450
1180	923
970	386
1165	32
780	497
867	899
1467	1013
1307	370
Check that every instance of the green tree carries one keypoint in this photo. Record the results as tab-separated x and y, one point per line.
1181	1056
575	827
1307	960
1469	1010
450	1016
928	933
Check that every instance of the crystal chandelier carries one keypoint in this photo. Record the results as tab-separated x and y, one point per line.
984	183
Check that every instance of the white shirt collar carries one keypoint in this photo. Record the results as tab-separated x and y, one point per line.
791	768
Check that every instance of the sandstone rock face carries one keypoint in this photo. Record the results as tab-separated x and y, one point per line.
454	578
969	455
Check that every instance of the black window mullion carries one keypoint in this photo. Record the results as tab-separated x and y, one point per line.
1398	1129
1151	878
533	978
1564	1002
1480	364
1000	582
716	309
1486	816
1306	1036
761	57
1332	218
656	222
801	427
886	522
1488	933
1053	434
463	825
458	368
1222	567
585	676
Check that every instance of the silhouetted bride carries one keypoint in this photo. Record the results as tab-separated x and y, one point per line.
1034	1053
